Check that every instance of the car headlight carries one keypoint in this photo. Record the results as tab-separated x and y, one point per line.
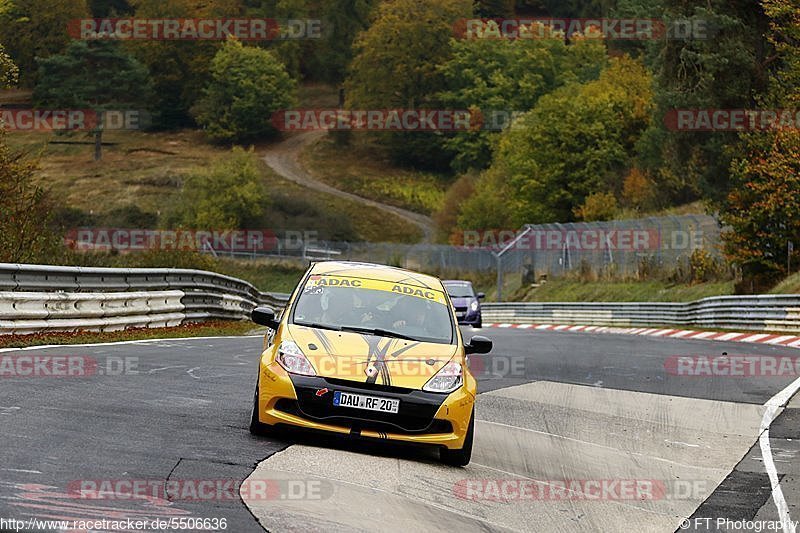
448	379
474	305
293	360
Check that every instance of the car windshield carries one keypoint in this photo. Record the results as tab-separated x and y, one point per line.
372	306
460	290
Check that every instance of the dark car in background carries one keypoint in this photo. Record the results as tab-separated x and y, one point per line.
466	302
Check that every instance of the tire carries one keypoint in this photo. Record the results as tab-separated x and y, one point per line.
478	324
461	456
256	426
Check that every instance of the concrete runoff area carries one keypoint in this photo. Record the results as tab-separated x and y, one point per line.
543	431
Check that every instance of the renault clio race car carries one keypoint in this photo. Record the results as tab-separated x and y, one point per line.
369	351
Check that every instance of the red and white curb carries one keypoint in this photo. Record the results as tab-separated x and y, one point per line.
759	338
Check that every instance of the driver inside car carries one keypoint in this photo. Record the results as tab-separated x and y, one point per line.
338	307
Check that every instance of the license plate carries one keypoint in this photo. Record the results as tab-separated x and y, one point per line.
362	401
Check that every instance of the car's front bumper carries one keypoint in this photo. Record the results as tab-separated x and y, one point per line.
423	417
470	318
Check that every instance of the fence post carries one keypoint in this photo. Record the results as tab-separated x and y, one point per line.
499	257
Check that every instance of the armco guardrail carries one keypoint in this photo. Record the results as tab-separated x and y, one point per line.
37	298
41	298
752	313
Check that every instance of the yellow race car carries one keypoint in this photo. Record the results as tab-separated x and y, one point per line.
369	351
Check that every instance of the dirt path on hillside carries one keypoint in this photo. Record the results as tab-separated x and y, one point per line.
284	159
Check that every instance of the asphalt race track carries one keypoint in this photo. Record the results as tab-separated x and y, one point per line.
557	410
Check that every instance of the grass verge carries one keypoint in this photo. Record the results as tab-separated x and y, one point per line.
147	170
265	275
361	169
219	328
268	275
621	291
790	285
335	218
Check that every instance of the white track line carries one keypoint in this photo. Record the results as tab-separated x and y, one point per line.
774	406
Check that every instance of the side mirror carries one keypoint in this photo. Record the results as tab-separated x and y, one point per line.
478	345
264	316
481	295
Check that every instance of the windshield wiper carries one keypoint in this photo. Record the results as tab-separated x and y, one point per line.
318	326
379	332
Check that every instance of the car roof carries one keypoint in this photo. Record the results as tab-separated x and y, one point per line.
375	271
456	282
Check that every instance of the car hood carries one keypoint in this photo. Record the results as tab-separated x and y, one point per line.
369	358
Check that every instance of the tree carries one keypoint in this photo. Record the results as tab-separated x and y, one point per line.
331	55
293	52
397	59
33	29
784	37
25	211
396	65
247	86
179	69
567	8
9	72
117	81
597	206
498	77
494	8
108	8
725	69
446	217
578	140
231	195
762	208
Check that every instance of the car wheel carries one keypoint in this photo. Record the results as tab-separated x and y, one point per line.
256	426
478	324
461	456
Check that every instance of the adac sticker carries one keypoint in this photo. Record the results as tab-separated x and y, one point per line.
379	285
330	281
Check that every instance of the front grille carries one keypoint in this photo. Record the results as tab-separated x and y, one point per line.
373	387
417	408
435	426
